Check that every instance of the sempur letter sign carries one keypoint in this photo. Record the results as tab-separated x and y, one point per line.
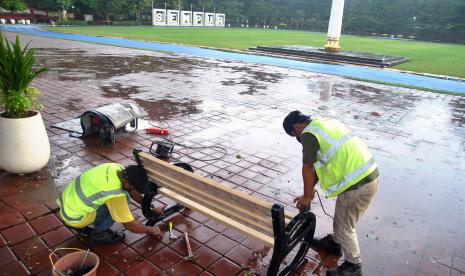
162	17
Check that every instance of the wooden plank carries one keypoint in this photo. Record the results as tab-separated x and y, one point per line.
256	221
188	177
225	193
268	240
208	198
289	216
208	195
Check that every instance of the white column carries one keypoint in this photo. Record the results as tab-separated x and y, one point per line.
335	25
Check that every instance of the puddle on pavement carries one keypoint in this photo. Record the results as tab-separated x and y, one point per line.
38	186
82	65
63	170
167	109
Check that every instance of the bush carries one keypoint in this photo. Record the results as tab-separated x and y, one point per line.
71	22
130	23
17	97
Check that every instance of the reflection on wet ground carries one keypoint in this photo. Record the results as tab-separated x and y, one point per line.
416	222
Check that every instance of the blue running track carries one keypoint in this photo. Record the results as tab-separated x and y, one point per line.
372	74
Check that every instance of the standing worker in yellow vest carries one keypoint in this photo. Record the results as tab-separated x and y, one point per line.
345	169
99	196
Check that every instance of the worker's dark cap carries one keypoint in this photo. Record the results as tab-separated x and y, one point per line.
295	117
137	177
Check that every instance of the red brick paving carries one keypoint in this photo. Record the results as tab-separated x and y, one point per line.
45	223
10	219
144	268
6	256
17	233
15	268
29	248
219	250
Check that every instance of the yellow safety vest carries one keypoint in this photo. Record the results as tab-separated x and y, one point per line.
89	191
342	159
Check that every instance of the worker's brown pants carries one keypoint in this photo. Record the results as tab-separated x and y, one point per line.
350	206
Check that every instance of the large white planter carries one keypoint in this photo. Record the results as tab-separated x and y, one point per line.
24	145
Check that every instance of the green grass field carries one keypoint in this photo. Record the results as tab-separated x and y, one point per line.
435	58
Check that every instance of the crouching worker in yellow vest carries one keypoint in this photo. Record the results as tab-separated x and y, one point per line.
345	169
100	196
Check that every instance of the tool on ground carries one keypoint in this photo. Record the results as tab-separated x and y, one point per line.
170	227
190	256
157	130
107	120
163	150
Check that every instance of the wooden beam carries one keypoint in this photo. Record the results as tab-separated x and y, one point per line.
242	199
258	221
268	240
171	170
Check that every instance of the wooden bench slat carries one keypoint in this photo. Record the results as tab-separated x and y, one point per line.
203	182
259	222
268	240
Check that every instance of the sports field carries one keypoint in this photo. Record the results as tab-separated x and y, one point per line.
434	58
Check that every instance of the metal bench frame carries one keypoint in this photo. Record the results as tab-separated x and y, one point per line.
300	229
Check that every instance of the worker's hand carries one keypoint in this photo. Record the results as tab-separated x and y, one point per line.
303	202
156	210
155	231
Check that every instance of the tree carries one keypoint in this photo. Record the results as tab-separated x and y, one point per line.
13	5
42	4
136	6
64	5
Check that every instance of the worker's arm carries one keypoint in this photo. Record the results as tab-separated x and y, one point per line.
139	197
136	196
119	211
139	228
308	175
310	147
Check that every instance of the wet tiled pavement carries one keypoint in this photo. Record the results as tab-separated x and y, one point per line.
415	225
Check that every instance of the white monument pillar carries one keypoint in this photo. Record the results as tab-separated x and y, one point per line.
335	25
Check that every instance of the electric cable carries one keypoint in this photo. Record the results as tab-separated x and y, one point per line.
322	207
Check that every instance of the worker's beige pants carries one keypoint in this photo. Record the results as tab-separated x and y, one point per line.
350	206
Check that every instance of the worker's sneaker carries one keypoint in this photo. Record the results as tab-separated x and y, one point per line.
327	243
345	269
107	236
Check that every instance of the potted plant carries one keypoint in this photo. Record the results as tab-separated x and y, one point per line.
24	144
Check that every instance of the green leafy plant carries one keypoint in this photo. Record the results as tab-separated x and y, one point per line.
17	97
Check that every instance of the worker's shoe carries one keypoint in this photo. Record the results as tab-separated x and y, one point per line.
327	243
345	269
106	236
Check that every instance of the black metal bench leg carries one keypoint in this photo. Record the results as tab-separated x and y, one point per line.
152	217
280	249
299	259
300	229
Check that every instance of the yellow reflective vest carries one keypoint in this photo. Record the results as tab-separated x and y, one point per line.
342	159
89	191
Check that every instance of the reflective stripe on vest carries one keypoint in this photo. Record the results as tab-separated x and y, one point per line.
63	212
89	201
335	145
348	178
